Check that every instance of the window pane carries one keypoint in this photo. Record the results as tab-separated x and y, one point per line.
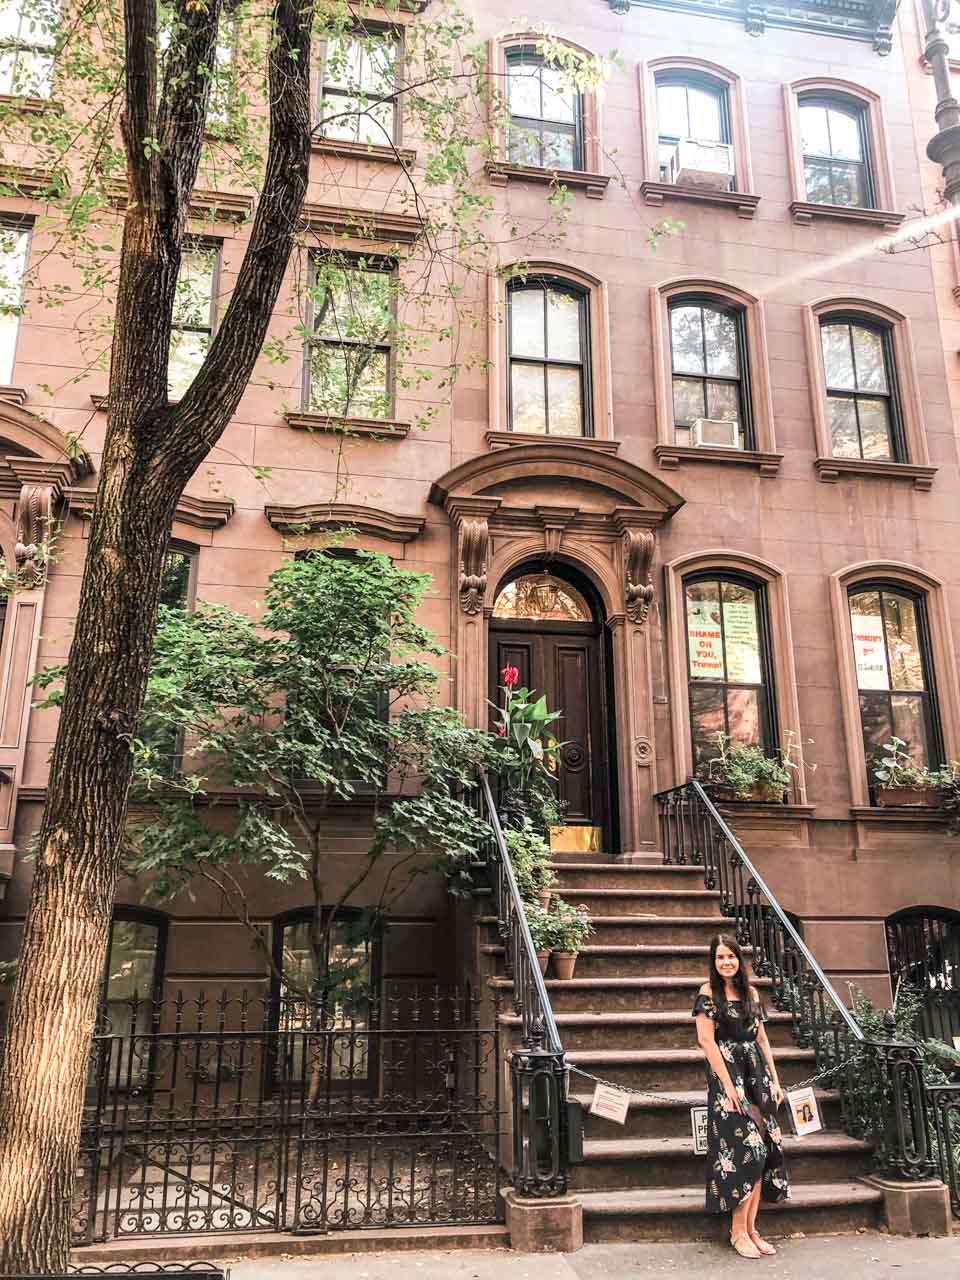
704	636
818	183
524	145
354	304
378	66
847	180
193	300
720	333
559	99
741	634
910	724
526	322
877	726
672	111
869	652
875	428
349	963
845	141
13	264
523	89
686	337
723	401
341	66
688	400
565	407
375	124
188	350
349	381
706	721
563	325
743	715
843	427
903	642
340	117
559	149
814	134
868	353
837	356
10	19
176	579
528	403
133	960
705	116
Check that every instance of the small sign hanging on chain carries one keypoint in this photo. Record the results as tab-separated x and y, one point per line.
610	1103
804	1112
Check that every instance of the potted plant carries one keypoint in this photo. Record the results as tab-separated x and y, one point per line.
541	930
901	782
532	754
740	771
570	928
531	859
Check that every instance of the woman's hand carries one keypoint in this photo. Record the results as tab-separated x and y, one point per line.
778	1094
733	1100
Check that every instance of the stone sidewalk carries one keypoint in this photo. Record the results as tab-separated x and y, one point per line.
871	1256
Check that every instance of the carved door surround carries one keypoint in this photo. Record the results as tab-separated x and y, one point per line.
563	502
36	471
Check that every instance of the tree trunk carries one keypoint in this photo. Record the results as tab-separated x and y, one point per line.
149	455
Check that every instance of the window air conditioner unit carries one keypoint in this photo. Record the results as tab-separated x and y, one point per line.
717	432
702	164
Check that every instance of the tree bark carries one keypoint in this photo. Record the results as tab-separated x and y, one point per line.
150	453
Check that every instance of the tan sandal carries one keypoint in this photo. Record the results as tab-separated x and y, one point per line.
765	1247
741	1243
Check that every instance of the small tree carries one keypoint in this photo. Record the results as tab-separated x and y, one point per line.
329	699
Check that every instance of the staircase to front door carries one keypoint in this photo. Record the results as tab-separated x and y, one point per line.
626	1017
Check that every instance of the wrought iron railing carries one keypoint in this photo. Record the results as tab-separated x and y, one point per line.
538	1071
880	1082
944	1104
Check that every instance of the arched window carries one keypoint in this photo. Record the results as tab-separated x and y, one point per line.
692	108
864	410
545	129
834	143
923	947
548	342
728	664
708	363
891	648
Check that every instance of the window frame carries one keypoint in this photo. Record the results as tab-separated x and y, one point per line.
929	695
517	53
769	718
545	284
744	396
213	245
857	109
694	79
898	439
159	920
372	262
18	46
362	30
24	224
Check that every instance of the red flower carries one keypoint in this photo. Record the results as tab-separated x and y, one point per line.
502	731
511	676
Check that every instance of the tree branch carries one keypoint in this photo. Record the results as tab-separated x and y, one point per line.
139	115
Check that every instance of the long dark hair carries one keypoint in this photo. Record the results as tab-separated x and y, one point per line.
741	979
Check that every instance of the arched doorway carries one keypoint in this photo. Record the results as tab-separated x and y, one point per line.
548	623
923	947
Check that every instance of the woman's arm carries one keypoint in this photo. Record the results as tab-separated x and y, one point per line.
767	1052
707	1040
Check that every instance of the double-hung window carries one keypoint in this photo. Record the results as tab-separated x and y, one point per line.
358	88
14	248
862	400
350	325
708	365
690	108
836	160
548	338
545	128
194	313
28	32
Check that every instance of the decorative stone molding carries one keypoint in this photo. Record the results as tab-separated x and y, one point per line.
473	536
340	149
200	513
554	521
205	205
655	193
638	549
362	224
643	752
593	185
371	428
831	469
513	440
13	395
867	20
368	520
671	456
35	525
26	181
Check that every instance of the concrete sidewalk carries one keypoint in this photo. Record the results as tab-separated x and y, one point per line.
871	1256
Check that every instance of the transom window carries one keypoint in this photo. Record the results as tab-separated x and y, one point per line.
892	656
358	88
542	597
727	665
689	107
707	356
194	314
833	137
545	129
28	32
858	370
548	344
14	247
349	356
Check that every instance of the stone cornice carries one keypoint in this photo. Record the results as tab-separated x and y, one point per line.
199	513
205	204
25	181
362	224
339	149
830	470
375	428
367	520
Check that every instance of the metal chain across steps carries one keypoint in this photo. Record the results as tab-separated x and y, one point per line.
683	1102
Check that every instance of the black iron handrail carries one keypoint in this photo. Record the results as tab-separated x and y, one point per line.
880	1081
539	1073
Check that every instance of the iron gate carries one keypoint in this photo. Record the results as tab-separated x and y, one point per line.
235	1115
923	944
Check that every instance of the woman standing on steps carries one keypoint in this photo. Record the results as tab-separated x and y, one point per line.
744	1152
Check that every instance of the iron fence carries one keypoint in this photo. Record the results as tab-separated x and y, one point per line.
944	1105
238	1114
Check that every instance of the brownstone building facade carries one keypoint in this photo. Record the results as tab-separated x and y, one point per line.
711	486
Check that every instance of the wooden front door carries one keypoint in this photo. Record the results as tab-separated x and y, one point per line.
565	662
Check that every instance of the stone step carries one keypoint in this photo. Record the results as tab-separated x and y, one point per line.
676	995
668	1115
671	1162
632	929
624	875
670	1071
662	902
636	960
677	1213
639	1029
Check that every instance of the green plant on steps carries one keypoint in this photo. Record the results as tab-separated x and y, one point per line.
531	858
532	754
541	926
569	925
743	768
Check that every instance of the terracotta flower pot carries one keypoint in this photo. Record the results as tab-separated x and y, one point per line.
544	897
564	963
901	797
543	958
767	792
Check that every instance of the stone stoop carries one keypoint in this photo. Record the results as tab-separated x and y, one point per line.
626	1017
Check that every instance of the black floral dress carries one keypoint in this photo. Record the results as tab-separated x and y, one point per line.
738	1151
